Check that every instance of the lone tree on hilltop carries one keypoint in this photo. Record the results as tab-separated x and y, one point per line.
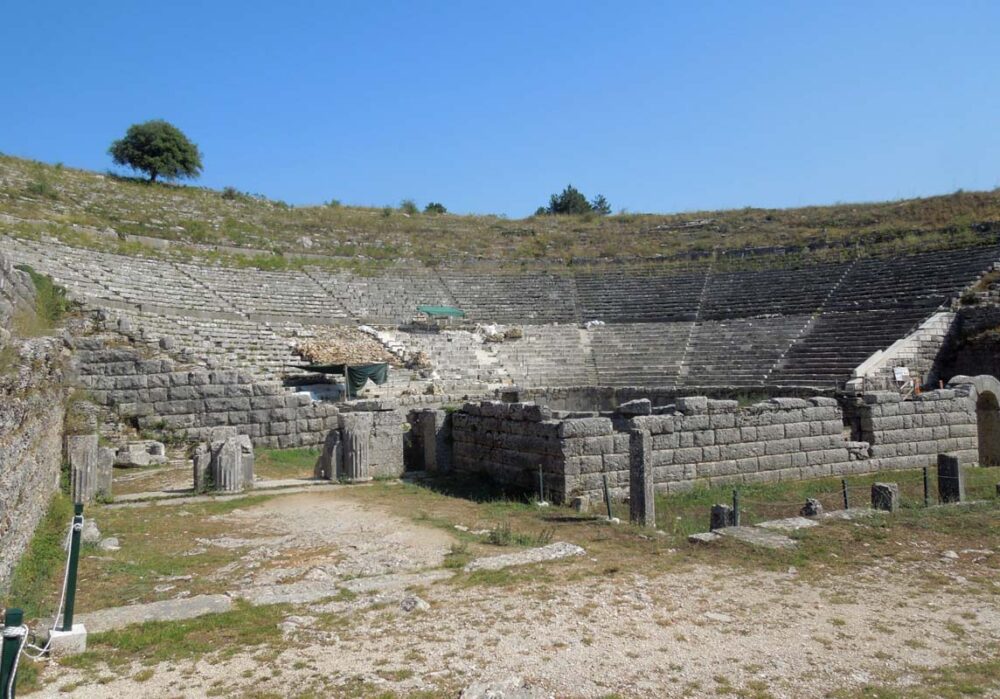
572	201
158	149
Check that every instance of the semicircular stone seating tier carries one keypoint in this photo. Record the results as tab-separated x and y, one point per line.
807	326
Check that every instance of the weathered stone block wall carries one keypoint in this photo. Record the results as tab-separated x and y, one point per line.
982	355
156	394
509	442
16	290
385	447
697	440
911	433
922	352
601	398
778	439
30	457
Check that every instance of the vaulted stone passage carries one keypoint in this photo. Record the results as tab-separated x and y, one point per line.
988	419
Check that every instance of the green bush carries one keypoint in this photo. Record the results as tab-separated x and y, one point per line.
571	201
158	149
408	206
51	305
36	575
42	188
435	208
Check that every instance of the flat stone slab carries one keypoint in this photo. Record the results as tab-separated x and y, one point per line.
395	581
301	592
308	591
185	497
789	524
560	549
510	688
851	514
166	610
703	538
758	537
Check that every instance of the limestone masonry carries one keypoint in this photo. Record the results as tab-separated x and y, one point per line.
715	441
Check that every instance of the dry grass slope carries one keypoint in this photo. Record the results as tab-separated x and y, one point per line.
97	210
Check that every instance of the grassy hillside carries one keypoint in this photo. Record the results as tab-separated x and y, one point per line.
98	210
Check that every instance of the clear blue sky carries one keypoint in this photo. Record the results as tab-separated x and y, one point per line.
490	107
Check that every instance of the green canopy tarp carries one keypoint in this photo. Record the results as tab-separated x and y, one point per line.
357	376
442	311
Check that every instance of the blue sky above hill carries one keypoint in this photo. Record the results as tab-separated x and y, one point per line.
490	107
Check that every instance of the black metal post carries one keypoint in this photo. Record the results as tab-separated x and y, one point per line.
843	486
927	488
74	562
607	494
736	508
13	618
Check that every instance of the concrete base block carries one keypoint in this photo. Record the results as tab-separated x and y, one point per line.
68	642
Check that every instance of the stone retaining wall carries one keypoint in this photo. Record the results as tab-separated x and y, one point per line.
509	442
911	433
698	439
159	396
30	457
599	398
16	290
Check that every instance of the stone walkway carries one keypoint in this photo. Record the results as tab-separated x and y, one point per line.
769	534
305	591
268	487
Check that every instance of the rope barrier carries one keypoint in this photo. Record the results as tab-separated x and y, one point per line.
14	632
41	653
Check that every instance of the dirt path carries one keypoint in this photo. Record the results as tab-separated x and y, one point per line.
401	626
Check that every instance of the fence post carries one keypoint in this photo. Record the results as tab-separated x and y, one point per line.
843	487
74	562
541	484
951	480
607	494
736	507
12	636
927	488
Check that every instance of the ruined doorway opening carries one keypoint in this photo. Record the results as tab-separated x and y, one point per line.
988	423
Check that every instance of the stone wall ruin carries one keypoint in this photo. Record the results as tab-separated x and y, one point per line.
701	440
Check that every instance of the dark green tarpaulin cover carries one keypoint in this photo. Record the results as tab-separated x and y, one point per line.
449	311
357	376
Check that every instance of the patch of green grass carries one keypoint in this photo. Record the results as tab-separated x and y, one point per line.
953	680
285	463
363	238
458	556
51	306
40	569
154	642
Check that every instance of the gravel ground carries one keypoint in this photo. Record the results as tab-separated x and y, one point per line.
701	631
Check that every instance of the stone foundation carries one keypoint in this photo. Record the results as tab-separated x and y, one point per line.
701	440
156	395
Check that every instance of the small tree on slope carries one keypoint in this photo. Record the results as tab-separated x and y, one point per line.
158	149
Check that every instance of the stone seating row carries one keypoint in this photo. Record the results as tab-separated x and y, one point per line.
392	297
549	355
839	341
263	294
527	297
639	296
923	280
737	352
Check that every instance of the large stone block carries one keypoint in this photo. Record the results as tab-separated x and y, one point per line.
885	496
81	452
146	452
951	479
585	427
356	429
641	501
